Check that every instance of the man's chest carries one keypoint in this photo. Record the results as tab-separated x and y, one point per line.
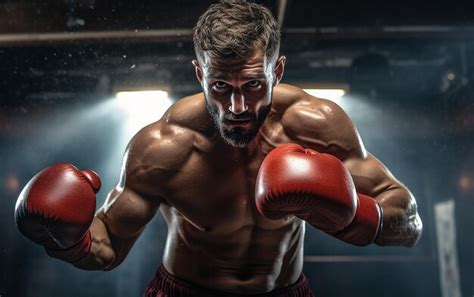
217	190
213	191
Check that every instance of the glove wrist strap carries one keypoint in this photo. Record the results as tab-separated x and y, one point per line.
74	253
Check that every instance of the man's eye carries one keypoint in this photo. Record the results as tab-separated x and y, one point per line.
220	85
254	83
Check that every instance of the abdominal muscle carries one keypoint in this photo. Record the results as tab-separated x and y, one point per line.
248	260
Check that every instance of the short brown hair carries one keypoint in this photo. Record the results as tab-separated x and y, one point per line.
234	29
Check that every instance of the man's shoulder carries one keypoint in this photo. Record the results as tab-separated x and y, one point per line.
320	124
295	104
168	143
189	112
285	95
158	147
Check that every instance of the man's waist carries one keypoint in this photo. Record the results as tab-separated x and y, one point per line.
210	283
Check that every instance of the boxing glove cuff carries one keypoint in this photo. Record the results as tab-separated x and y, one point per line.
366	225
74	253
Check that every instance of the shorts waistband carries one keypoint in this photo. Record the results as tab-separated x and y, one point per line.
165	284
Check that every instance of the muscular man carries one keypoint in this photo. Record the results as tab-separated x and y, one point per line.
236	171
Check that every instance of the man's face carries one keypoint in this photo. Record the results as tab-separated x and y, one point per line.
238	94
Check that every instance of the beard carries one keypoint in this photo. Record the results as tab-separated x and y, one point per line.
238	136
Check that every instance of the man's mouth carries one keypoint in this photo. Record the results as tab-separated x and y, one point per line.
237	122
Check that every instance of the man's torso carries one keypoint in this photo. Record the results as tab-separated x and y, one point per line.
216	237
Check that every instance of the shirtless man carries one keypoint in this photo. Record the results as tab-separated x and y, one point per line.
236	171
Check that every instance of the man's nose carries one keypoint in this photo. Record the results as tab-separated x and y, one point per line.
237	103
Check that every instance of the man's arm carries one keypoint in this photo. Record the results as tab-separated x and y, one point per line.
56	207
128	207
323	126
401	223
115	231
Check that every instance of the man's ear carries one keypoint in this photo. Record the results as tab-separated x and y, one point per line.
197	70
279	69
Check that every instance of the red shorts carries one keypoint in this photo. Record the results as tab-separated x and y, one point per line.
166	285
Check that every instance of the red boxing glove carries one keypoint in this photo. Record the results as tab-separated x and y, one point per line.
56	208
318	189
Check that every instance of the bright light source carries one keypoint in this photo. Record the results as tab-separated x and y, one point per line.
130	100
143	107
330	94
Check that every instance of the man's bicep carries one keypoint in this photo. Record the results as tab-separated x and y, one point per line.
152	157
135	199
125	212
342	139
371	177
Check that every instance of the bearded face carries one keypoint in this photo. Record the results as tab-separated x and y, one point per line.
239	130
238	93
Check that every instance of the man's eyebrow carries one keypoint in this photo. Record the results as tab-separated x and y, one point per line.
248	76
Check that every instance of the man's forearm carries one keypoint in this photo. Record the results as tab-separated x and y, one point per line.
401	223
101	255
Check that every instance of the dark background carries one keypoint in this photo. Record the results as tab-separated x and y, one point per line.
409	68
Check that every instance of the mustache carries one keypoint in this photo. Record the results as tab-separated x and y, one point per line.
244	117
